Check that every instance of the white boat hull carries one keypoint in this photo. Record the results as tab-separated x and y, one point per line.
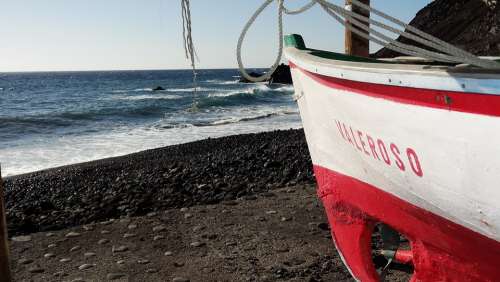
404	155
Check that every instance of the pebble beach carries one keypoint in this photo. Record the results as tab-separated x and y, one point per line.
236	208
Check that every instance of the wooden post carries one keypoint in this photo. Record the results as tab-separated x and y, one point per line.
5	275
356	45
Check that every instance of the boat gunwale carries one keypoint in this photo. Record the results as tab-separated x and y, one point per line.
384	66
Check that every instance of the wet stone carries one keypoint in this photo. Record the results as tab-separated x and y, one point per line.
65	260
188	215
50	234
143	261
115	276
21	238
60	274
152	214
103	241
283	250
169	253
108	222
125	220
132	226
119	249
184	209
36	269
75	248
198	228
25	261
88	227
73	235
158	237
79	279
129	235
49	255
52	246
159	228
120	262
105	232
271	212
85	266
197	244
89	254
151	270
178	264
180	279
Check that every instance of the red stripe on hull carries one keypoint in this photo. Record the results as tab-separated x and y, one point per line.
442	250
484	104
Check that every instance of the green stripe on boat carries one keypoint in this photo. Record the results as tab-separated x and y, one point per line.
296	41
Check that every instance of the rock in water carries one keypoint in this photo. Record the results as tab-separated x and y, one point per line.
158	88
281	75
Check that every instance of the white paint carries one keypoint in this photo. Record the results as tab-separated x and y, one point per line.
425	77
459	152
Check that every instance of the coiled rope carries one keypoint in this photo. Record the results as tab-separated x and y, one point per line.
360	25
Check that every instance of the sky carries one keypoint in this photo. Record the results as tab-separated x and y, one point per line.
59	35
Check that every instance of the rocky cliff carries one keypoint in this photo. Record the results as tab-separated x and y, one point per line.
473	25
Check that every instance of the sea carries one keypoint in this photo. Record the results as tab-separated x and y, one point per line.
50	119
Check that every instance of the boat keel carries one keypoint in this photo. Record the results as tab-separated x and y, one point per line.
440	249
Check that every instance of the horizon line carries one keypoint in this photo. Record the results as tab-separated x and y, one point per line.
111	70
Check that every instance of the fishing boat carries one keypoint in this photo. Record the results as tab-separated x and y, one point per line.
413	146
405	150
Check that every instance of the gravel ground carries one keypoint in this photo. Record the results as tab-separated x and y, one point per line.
203	172
275	236
238	208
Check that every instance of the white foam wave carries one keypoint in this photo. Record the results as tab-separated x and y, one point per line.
132	90
191	89
52	152
258	87
222	82
147	97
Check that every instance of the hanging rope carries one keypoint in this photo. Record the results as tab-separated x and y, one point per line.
280	40
360	25
189	47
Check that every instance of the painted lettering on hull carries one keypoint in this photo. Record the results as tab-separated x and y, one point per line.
388	153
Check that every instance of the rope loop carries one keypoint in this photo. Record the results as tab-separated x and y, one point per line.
280	40
361	25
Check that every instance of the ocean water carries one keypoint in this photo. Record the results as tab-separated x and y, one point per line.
59	118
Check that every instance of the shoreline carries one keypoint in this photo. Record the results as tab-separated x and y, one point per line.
208	171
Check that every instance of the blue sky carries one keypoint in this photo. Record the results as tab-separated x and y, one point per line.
40	35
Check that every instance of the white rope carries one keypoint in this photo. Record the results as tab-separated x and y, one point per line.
380	38
425	38
300	10
413	29
280	40
189	47
360	25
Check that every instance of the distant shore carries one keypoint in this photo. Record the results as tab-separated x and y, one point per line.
202	172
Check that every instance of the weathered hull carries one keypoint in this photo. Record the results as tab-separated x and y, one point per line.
418	151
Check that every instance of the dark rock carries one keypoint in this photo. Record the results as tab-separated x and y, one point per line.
324	226
473	25
281	75
158	88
